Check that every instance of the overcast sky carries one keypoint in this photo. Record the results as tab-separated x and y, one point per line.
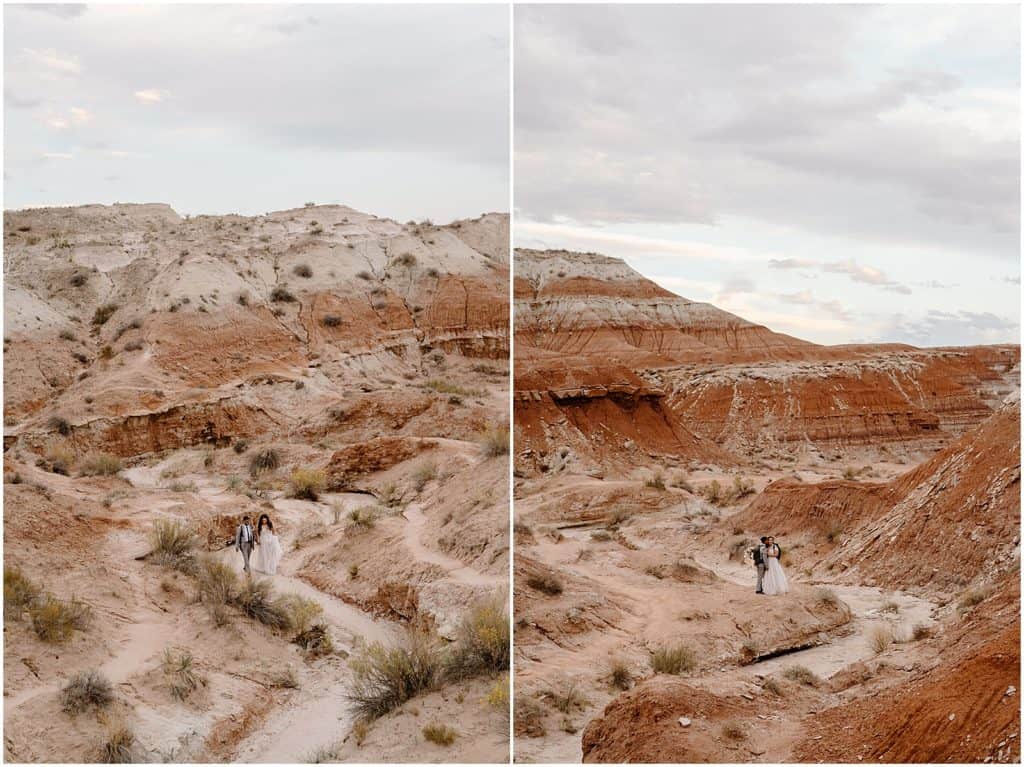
841	173
401	111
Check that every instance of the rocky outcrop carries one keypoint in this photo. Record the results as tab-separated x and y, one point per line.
354	462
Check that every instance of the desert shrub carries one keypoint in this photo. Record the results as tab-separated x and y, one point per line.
66	335
826	596
390	495
494	441
59	424
173	543
181	486
528	717
850	473
364	275
712	491
78	279
302	612
362	517
600	535
802	675
315	640
972	597
407	260
619	516
281	295
498	695
240	446
86	690
834	532
548	582
326	754
307	484
60	458
286	678
267	459
216	581
441	734
890	607
386	677
675	659
303	270
330	320
100	464
880	639
19	592
566	698
482	643
657	481
103	313
423	474
772	686
447	387
734	731
179	668
256	599
619	675
741	488
921	631
54	620
119	745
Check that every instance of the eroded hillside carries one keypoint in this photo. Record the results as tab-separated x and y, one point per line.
344	373
657	438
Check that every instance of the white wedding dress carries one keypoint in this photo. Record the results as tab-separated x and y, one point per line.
774	581
267	554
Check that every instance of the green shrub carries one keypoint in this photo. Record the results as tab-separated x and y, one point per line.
173	543
217	582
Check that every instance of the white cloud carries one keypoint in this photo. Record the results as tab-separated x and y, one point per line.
80	116
57	123
56	156
53	62
857	272
150	96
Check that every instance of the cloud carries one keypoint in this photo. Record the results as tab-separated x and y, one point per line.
150	96
806	298
52	61
60	10
56	156
1013	280
961	328
838	120
13	101
80	116
57	123
857	272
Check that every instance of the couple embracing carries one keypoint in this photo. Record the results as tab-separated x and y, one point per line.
771	578
263	540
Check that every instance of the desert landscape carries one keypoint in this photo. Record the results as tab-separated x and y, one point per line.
166	374
656	439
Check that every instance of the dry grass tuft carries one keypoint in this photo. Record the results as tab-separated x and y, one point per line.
307	484
802	675
482	643
880	639
386	677
19	592
86	690
256	599
182	679
494	441
54	620
677	659
441	734
100	465
549	583
619	675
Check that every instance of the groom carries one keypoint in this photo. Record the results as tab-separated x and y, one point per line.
244	539
760	562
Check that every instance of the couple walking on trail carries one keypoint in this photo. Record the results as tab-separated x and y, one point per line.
262	539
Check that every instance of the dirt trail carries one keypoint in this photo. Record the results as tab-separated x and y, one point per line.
457	570
865	602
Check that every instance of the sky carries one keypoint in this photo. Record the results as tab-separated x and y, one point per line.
842	173
399	111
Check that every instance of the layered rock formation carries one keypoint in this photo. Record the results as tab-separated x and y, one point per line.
601	350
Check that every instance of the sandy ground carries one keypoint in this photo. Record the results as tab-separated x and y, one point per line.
612	578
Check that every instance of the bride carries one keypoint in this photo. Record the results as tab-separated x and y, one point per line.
268	547
774	578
